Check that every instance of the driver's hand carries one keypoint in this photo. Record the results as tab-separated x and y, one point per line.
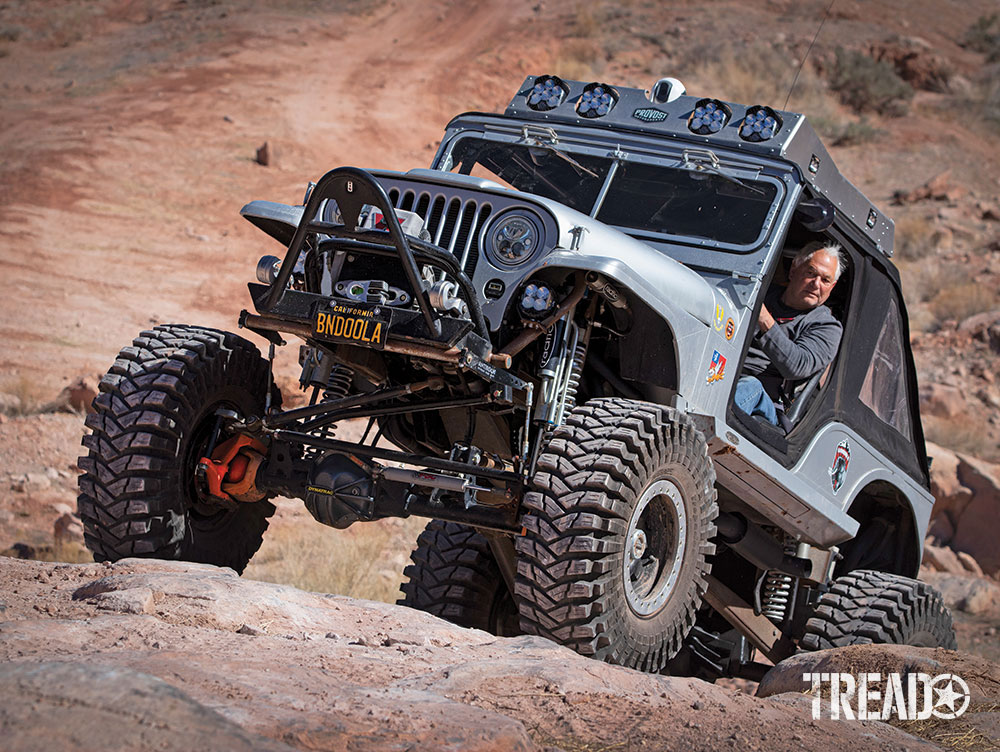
765	321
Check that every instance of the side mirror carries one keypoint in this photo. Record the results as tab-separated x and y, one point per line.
815	214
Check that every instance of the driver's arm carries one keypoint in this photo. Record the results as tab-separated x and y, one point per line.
807	351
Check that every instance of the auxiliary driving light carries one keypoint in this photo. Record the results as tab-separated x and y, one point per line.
760	124
536	299
596	101
709	116
267	269
547	93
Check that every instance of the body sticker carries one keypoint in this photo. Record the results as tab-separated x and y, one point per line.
717	370
730	328
720	316
841	459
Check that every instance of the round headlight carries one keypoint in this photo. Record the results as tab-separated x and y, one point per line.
513	238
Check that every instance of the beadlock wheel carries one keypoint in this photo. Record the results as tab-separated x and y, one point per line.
617	528
655	547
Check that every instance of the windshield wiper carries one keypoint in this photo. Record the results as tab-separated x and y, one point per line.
534	135
703	160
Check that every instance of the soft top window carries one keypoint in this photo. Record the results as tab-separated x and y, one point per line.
884	388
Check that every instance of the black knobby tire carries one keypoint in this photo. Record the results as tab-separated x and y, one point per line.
586	577
866	607
154	418
454	575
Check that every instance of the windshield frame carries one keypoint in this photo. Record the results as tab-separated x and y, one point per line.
623	148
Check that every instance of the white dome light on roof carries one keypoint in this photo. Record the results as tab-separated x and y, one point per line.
709	116
760	124
547	93
596	101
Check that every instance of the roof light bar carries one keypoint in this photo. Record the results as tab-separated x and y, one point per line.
547	93
596	101
709	116
759	124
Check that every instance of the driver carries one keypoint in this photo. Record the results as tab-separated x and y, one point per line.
797	334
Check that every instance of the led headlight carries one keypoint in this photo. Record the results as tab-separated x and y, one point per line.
709	116
547	93
536	300
759	124
513	238
596	101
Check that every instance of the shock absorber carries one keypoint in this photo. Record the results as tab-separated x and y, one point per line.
572	380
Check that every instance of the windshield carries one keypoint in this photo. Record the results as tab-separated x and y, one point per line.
641	197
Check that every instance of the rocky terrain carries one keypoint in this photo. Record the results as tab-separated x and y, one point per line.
130	135
147	655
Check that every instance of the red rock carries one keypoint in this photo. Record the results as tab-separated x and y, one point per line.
976	528
941	187
77	397
914	62
970	563
941	529
979	323
964	592
334	673
941	401
883	659
967	504
942	559
264	155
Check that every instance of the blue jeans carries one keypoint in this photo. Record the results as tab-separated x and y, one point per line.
753	400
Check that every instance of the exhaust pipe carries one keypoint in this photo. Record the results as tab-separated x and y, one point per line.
757	547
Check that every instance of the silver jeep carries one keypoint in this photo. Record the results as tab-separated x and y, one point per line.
543	332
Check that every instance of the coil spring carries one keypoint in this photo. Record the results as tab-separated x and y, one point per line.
339	383
777	596
575	374
337	387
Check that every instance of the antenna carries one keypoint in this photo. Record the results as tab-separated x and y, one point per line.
806	56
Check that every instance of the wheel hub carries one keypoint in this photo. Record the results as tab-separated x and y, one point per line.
638	544
655	543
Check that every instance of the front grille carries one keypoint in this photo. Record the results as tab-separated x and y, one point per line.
453	223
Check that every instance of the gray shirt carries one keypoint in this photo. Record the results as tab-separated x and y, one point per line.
800	344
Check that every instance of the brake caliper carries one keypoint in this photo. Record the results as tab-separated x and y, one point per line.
231	472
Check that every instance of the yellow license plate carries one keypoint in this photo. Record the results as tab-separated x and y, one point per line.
364	324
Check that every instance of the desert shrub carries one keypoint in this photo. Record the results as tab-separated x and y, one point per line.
914	238
364	561
962	300
936	290
868	85
984	36
580	59
761	73
20	395
853	133
987	93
